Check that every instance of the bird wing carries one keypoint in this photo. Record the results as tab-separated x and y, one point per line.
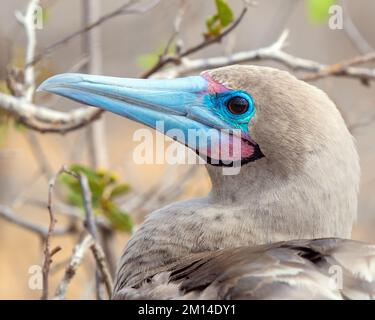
300	269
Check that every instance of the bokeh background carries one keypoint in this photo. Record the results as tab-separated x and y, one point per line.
125	42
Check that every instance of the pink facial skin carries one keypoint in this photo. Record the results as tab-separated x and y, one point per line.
226	147
213	86
229	147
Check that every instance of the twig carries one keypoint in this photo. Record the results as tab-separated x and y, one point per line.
76	259
127	8
176	30
48	253
273	52
205	43
90	221
69	211
8	214
45	120
79	251
344	68
102	272
101	262
28	23
107	237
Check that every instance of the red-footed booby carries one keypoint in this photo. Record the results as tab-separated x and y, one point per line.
277	229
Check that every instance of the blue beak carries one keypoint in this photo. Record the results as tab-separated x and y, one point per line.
165	105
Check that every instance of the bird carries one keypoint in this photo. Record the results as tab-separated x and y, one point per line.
280	227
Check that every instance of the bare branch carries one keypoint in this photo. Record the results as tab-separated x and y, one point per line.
103	273
37	117
345	68
101	262
176	31
8	214
78	254
29	25
48	253
90	221
79	251
130	7
205	43
274	52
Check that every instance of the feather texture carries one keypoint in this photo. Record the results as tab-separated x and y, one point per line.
300	269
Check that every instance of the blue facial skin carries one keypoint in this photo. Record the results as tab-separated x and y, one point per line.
218	103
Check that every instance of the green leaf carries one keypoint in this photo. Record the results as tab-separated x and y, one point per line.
149	60
104	189
213	27
119	190
319	9
222	18
75	199
224	12
118	218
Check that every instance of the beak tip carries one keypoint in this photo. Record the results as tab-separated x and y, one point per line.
58	80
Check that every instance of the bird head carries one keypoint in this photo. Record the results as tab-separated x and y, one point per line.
235	114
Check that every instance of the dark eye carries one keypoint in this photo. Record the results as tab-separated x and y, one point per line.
238	105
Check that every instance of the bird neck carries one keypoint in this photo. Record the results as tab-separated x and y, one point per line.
264	203
315	199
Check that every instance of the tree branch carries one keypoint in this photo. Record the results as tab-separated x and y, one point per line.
345	68
37	117
128	8
75	261
91	227
79	251
101	262
48	253
274	52
205	43
8	214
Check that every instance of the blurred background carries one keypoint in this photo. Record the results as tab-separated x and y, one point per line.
126	46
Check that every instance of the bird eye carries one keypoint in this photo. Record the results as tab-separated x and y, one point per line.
238	105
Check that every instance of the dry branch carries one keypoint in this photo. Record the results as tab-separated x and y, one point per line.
87	242
102	263
204	44
274	52
102	274
75	261
129	7
48	253
45	120
8	214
